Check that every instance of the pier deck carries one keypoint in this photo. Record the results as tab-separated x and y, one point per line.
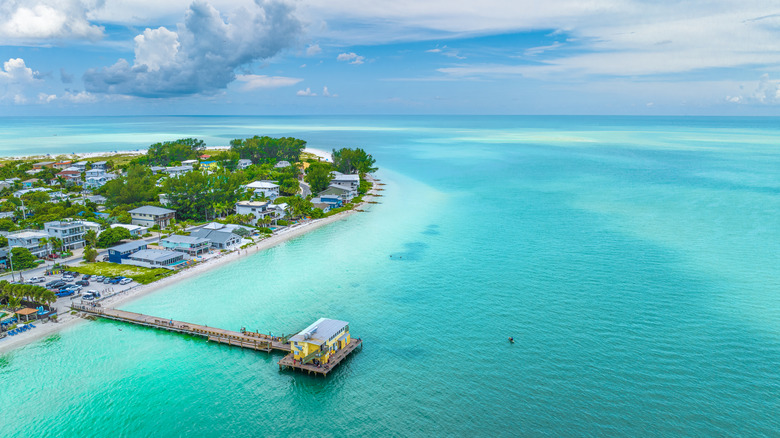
333	362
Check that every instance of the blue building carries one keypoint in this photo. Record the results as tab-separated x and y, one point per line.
123	251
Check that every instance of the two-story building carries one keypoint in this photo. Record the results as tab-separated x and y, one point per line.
149	216
100	165
70	176
33	240
319	341
121	252
347	180
343	193
81	166
62	165
70	232
220	239
268	189
187	244
257	209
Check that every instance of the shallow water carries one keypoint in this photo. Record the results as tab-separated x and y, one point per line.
634	260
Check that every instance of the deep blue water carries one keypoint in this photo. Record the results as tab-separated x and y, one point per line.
635	261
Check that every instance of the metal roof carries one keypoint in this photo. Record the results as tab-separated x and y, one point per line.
321	330
176	238
128	246
150	209
155	255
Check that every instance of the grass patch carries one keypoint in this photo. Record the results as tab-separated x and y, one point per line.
138	273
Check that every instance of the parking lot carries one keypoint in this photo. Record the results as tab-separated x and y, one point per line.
105	290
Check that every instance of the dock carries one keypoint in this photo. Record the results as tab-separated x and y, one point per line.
243	339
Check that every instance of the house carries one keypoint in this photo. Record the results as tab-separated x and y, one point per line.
29	183
95	173
149	216
317	342
93	182
282	164
70	176
343	193
157	169
177	170
32	171
209	165
243	164
135	230
322	206
6	185
100	165
189	162
255	208
62	164
20	193
43	164
350	181
97	199
91	226
163	197
120	252
81	166
70	232
204	157
7	214
279	210
219	239
187	244
30	239
332	201
154	258
264	188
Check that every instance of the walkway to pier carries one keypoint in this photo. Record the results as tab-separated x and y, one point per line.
251	340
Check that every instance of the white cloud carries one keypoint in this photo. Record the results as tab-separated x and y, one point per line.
79	97
313	49
766	92
306	92
46	98
156	48
352	57
15	71
253	82
326	92
27	21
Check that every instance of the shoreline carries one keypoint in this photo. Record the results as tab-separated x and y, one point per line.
66	320
89	155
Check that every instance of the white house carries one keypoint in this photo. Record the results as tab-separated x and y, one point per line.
93	173
255	208
70	232
31	240
99	165
20	193
243	164
264	188
282	164
149	216
177	170
81	166
346	180
189	162
135	230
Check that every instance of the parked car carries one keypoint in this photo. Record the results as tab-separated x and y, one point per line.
57	284
99	278
83	283
125	281
75	274
106	280
86	277
36	280
67	278
116	280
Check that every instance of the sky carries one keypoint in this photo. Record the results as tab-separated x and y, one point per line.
291	57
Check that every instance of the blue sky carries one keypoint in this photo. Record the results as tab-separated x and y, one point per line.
114	57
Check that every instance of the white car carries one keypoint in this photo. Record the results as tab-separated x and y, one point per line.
36	280
126	281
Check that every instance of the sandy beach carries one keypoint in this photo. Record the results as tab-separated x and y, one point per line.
325	155
67	320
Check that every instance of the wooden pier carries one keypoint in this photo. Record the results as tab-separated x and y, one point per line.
250	340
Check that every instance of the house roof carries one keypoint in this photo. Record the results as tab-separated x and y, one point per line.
320	331
334	190
282	164
252	203
262	185
28	235
150	209
129	227
156	255
320	205
98	162
176	238
215	236
25	312
347	177
128	246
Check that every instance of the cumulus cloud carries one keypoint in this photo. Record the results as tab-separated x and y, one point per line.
767	92
28	21
326	92
306	92
253	82
203	53
16	72
313	49
352	57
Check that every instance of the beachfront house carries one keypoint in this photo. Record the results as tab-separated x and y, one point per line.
321	205
332	201
121	252
149	216
347	180
319	341
220	239
342	193
266	189
154	258
257	209
187	244
243	164
135	230
33	240
70	232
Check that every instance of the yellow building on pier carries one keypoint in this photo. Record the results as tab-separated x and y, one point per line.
319	341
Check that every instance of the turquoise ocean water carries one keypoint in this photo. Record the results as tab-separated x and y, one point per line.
636	261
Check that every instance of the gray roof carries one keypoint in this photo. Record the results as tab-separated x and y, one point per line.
215	236
128	246
282	164
150	209
320	331
156	255
334	190
176	238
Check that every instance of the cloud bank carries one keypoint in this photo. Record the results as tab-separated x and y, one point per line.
27	21
202	55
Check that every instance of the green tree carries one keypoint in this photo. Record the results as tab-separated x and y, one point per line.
198	195
319	175
22	258
269	150
90	254
56	243
164	154
3	241
112	236
353	160
90	237
138	186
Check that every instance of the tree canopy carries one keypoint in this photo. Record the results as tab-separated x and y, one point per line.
319	175
353	160
199	195
268	149
112	236
138	186
22	258
169	152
